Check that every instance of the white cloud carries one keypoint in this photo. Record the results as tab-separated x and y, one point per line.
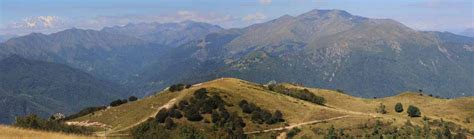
39	22
50	24
27	25
255	17
265	2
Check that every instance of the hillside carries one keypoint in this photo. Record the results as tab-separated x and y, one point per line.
44	88
357	116
12	132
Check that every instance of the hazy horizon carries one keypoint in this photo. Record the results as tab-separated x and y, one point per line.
47	16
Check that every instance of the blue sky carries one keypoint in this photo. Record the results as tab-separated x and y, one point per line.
26	16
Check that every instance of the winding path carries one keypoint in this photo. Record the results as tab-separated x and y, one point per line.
297	124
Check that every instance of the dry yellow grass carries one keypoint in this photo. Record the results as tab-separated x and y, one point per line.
7	132
295	111
453	110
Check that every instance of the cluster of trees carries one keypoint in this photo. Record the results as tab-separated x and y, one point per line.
165	116
303	94
84	111
193	110
412	111
34	122
199	104
178	87
260	115
119	102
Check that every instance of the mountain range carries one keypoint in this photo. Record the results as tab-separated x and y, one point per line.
330	49
321	48
468	32
31	86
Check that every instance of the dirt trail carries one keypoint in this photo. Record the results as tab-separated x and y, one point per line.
297	124
115	132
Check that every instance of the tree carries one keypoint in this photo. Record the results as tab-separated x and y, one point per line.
215	117
169	123
182	104
192	114
161	115
278	116
399	107
175	113
381	109
257	117
413	111
200	93
118	102
176	87
132	98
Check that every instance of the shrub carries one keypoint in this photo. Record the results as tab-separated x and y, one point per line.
413	111
293	132
278	116
192	114
399	107
182	104
118	102
34	122
381	109
161	115
169	123
215	117
132	98
200	93
174	113
84	111
176	87
331	133
303	94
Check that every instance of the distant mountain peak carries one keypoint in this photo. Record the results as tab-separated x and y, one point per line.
326	13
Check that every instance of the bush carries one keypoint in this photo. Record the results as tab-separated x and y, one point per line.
293	132
182	104
34	122
192	114
161	115
303	94
381	109
215	117
132	98
200	93
176	87
278	116
84	111
413	111
399	107
174	113
169	123
118	102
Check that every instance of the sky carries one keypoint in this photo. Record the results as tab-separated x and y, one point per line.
47	16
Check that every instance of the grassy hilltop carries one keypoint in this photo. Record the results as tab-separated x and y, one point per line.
339	115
